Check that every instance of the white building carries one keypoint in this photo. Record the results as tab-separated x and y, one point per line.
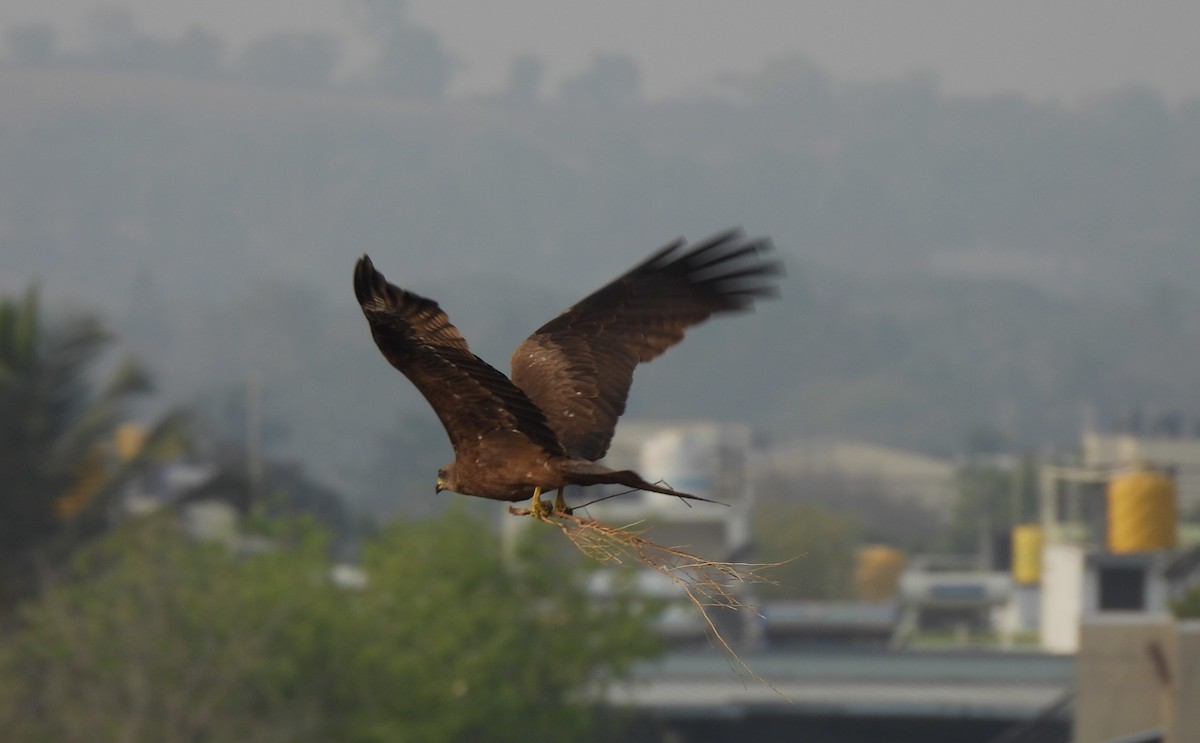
900	475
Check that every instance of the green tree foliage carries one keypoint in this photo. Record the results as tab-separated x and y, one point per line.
56	433
816	546
157	638
1187	606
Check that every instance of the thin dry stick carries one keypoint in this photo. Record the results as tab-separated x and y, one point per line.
706	583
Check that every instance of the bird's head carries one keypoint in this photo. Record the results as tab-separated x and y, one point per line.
445	479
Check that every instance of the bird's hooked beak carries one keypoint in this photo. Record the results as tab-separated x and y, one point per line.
441	482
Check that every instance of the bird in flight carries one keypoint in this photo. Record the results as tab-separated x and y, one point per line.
546	427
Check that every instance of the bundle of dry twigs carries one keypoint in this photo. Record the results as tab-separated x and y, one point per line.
707	584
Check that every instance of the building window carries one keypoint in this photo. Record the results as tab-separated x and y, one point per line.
1122	588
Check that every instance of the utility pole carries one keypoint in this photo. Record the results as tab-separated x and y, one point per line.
254	427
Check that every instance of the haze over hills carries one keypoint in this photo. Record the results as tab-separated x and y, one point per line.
952	262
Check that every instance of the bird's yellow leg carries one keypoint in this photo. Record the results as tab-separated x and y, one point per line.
560	505
536	507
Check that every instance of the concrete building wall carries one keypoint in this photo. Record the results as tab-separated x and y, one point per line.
1185	703
1117	688
1062	596
1137	673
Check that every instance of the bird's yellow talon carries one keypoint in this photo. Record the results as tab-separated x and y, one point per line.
537	508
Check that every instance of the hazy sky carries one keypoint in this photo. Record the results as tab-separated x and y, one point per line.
1065	49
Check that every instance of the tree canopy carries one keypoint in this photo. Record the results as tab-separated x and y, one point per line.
153	637
59	467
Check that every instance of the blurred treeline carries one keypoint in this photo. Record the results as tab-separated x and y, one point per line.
953	262
152	636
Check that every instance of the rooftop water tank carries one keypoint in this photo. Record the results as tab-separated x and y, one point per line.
1142	513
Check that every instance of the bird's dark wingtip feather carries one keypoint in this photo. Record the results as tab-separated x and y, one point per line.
369	284
663	255
721	241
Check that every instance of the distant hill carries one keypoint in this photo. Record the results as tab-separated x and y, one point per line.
951	262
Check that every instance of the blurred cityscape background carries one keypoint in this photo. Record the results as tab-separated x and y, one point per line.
969	428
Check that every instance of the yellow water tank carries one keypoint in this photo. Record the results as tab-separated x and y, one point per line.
130	438
90	478
877	575
1027	541
1141	511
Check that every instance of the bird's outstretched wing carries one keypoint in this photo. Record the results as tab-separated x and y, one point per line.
470	397
578	367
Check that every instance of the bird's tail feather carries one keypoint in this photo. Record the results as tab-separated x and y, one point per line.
590	473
